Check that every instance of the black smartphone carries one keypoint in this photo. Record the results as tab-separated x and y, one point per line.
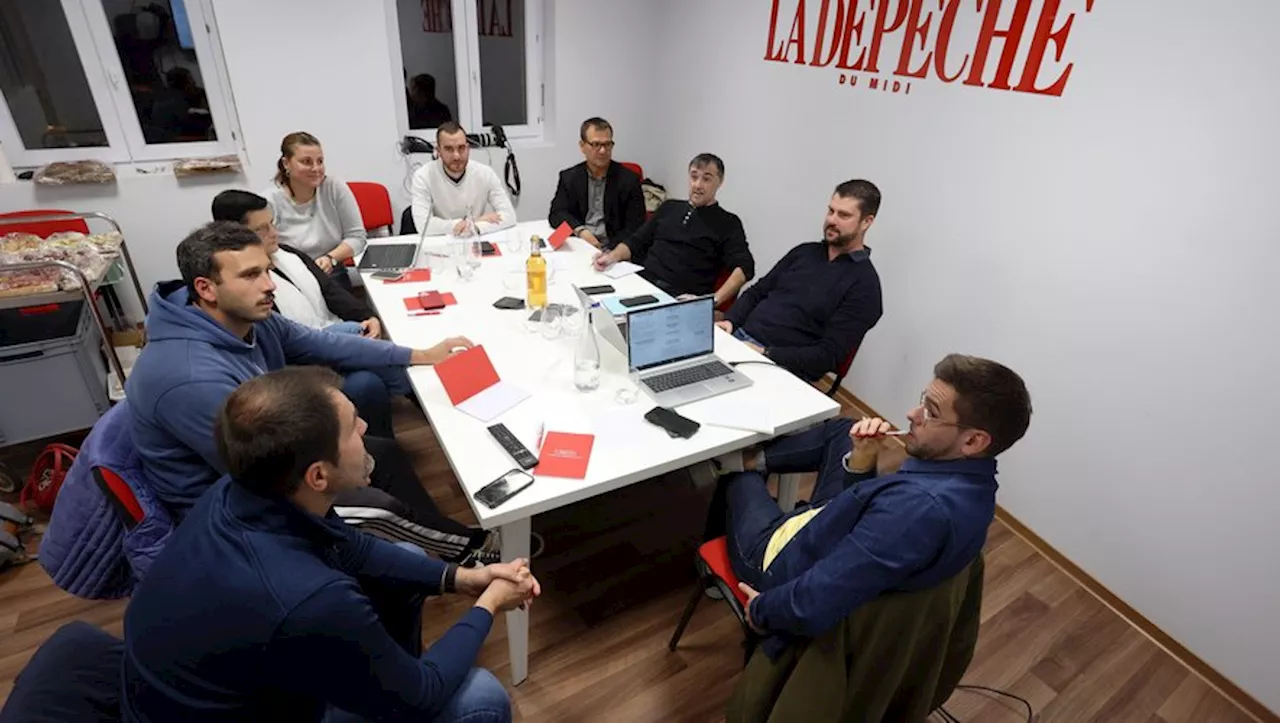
503	488
509	302
639	300
487	249
387	275
669	420
597	290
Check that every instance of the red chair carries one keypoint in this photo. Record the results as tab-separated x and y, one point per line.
842	372
375	205
43	229
715	571
634	168
720	279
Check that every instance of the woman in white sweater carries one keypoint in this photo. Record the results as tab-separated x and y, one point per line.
314	212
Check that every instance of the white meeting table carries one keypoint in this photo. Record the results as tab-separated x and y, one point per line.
627	449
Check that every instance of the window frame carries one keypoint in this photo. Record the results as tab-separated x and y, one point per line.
466	60
104	73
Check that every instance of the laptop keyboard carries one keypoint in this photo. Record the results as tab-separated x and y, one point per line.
685	377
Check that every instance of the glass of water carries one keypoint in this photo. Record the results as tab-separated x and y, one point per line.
552	321
460	250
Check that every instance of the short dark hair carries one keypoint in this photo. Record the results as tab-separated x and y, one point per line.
424	83
865	192
196	252
708	159
273	427
234	205
449	127
598	123
989	396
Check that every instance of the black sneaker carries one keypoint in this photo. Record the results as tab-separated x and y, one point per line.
491	551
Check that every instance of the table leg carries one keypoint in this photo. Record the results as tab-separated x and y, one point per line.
788	488
515	543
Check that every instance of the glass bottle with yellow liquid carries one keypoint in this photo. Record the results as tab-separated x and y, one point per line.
535	270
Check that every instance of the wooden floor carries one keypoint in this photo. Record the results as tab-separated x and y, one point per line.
617	573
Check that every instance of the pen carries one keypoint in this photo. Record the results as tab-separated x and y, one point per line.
426	313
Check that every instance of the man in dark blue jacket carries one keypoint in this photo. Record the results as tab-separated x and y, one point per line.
863	535
812	310
215	329
265	606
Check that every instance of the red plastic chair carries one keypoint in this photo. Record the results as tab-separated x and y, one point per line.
842	372
633	167
714	570
43	229
375	205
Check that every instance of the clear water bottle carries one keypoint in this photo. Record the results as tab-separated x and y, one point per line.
586	358
473	245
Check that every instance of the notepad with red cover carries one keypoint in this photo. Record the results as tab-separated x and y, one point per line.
473	385
560	235
565	455
411	303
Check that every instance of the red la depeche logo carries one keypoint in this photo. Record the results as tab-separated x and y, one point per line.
918	39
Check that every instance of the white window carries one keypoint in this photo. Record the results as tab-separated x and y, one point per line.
477	62
112	80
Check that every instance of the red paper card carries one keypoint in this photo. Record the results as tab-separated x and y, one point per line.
411	303
558	236
412	275
565	455
467	374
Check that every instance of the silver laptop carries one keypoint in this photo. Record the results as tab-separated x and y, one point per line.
670	349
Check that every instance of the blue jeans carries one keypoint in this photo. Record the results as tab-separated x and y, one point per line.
480	699
753	515
344	327
741	335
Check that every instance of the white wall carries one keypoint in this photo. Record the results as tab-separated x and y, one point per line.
1114	245
331	75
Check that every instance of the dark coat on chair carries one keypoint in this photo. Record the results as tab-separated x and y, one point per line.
897	659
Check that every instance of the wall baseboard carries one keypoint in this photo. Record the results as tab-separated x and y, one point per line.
1194	663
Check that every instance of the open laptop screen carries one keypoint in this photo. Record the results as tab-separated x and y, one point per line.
671	332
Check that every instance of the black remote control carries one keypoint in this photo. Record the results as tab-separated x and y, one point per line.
518	451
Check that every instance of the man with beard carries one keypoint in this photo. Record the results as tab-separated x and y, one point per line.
214	329
449	194
265	606
812	310
865	535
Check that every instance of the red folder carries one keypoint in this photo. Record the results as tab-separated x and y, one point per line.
559	236
411	303
467	374
565	455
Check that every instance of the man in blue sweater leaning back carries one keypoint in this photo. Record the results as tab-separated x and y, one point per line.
215	329
864	535
265	606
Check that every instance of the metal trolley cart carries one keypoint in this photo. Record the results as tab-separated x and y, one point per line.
57	385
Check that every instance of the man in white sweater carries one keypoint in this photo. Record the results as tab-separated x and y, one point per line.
448	191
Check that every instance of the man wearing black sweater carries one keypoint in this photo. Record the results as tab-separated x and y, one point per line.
265	606
599	198
812	310
687	244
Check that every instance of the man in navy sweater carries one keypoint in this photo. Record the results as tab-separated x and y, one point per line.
265	606
215	329
863	535
812	310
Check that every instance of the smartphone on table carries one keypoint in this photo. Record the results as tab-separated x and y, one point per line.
504	488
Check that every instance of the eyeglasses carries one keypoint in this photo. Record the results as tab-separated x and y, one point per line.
600	145
930	417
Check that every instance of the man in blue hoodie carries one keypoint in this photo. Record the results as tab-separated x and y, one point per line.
264	606
864	535
215	329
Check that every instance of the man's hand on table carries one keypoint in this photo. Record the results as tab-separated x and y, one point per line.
441	351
